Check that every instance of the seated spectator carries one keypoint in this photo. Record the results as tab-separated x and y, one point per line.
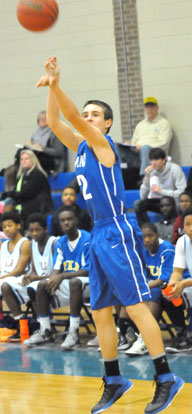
158	257
51	153
69	198
167	208
181	286
32	192
185	201
162	178
14	290
153	131
68	282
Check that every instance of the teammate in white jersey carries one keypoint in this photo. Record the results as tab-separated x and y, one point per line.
116	274
15	290
15	252
180	285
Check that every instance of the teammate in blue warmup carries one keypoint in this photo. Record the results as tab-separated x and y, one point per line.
67	282
116	273
159	256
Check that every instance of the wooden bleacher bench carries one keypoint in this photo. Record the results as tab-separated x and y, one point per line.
60	317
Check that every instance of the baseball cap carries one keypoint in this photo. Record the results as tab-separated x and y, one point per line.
150	100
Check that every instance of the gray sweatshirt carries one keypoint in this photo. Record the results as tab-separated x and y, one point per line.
171	180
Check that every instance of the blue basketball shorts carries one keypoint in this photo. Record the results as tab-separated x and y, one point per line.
116	272
156	295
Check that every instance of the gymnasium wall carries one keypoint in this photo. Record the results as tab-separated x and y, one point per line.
83	39
165	36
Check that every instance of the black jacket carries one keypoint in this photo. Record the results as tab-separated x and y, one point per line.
35	194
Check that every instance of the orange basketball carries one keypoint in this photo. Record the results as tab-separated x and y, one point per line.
37	15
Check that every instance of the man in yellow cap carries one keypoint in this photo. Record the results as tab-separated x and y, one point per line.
153	131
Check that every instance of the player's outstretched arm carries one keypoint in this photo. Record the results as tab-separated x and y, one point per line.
93	135
63	131
66	135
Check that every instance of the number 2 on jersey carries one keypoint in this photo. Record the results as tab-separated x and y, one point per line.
82	181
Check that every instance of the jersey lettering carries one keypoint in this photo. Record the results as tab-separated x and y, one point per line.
80	161
70	266
154	271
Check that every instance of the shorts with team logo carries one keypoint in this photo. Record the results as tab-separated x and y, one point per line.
116	273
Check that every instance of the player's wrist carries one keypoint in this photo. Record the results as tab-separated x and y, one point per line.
54	83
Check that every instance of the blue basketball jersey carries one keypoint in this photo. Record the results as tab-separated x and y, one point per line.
102	187
160	264
68	258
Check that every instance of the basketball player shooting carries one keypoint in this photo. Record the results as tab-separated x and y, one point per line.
116	272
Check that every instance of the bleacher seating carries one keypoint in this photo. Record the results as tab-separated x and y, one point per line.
63	178
56	198
61	181
2	184
130	197
186	170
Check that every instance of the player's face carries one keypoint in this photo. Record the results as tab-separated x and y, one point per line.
26	162
166	208
68	221
150	240
10	228
36	231
185	201
94	114
69	196
188	226
158	164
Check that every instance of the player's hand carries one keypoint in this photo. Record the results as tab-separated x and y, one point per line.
54	283
27	279
177	289
43	81
52	73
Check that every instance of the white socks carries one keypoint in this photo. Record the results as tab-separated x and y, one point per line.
74	323
44	323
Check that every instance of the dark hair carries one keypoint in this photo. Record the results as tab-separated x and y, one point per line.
185	193
37	218
149	225
157	154
108	113
67	208
187	212
72	188
169	198
11	215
